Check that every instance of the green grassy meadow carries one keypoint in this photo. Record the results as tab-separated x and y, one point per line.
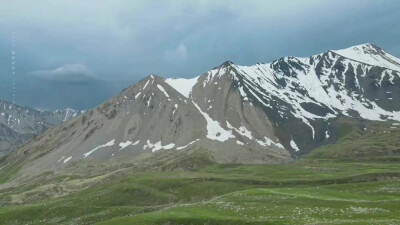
328	186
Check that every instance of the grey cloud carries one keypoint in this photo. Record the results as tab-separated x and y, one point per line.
123	40
67	73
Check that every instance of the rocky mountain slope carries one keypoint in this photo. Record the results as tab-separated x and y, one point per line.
265	113
18	124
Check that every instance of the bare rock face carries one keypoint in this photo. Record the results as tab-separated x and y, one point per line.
18	124
266	113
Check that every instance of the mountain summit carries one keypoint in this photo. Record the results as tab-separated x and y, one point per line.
265	113
370	54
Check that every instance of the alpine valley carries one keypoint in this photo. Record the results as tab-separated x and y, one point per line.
235	145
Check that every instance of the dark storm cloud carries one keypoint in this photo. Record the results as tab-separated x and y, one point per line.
125	40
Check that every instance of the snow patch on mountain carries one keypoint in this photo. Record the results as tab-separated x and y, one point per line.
175	108
214	130
137	95
108	144
67	159
157	146
185	146
241	130
163	90
145	85
239	142
182	85
124	144
294	145
62	157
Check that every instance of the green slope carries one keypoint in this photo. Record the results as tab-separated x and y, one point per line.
355	181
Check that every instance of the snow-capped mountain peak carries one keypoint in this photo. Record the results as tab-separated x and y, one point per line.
370	54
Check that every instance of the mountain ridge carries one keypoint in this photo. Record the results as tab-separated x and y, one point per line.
19	123
265	113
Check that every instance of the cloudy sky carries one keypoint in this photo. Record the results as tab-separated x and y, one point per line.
74	53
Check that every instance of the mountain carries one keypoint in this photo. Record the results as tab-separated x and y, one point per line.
18	124
265	113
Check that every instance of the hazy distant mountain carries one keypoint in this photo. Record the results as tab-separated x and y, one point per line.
264	113
18	124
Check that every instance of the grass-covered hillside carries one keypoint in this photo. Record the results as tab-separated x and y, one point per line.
356	181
